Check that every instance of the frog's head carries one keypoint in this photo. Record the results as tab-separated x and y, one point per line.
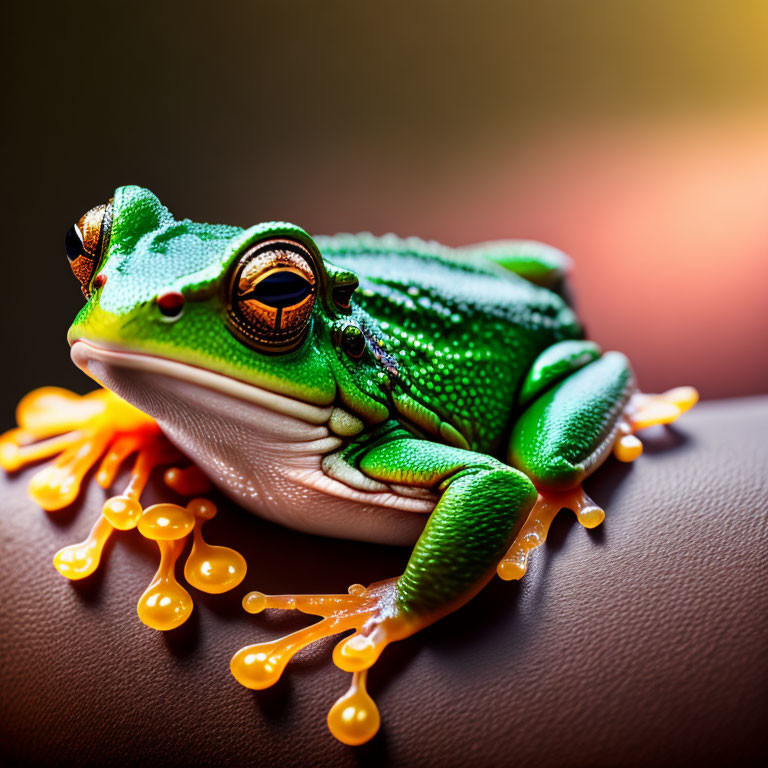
254	314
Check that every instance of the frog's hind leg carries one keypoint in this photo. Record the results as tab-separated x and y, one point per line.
568	431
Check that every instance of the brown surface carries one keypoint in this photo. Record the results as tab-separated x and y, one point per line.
640	643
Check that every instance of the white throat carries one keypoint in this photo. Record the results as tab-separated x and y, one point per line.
261	448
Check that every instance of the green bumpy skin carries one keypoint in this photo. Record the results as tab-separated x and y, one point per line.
459	332
554	364
568	430
469	529
149	254
463	349
450	333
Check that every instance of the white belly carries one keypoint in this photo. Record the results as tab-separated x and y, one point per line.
268	462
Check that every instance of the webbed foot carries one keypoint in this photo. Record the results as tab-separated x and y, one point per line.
80	430
534	532
643	411
377	619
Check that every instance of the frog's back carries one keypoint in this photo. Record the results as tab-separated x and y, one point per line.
504	278
463	325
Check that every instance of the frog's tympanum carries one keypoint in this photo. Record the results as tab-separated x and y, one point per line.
371	388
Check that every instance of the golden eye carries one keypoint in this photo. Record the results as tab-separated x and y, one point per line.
86	243
272	293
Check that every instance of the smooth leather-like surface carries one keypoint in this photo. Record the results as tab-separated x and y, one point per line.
640	643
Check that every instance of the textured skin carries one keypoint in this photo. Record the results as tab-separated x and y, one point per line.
464	538
482	501
640	643
149	254
449	337
449	328
554	364
461	333
567	431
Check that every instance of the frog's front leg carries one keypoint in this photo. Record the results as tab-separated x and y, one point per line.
567	432
481	504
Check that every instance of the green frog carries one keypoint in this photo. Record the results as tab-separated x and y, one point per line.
374	388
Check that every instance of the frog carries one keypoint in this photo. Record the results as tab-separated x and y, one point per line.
375	388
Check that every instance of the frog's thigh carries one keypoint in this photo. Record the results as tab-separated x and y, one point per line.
482	503
569	429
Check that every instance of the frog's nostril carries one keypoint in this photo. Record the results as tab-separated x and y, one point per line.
99	280
171	304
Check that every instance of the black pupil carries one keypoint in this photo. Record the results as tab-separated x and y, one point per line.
73	243
280	289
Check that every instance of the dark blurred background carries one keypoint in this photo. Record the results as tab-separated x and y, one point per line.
634	135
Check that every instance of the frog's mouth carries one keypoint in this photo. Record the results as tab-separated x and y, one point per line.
102	364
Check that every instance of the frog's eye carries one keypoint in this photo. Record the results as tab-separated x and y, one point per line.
86	242
271	295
